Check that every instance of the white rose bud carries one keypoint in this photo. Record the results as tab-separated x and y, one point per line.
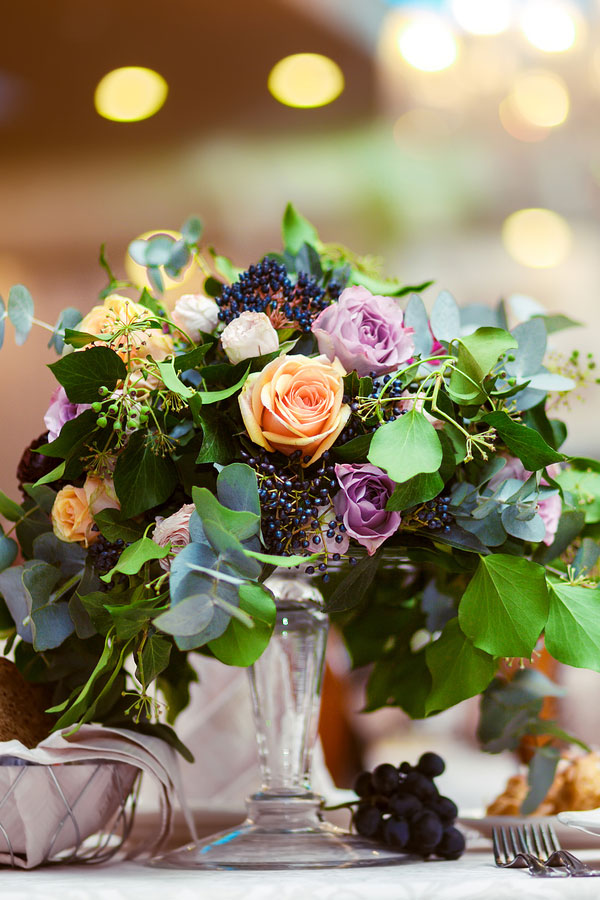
195	313
251	334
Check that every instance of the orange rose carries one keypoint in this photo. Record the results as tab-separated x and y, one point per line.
117	311
295	403
74	508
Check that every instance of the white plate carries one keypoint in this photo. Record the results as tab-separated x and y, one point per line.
570	837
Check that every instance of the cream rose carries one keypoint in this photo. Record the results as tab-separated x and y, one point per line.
195	313
250	334
74	508
135	346
295	403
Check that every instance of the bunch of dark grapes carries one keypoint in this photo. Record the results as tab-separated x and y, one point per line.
434	514
105	554
293	502
266	287
402	808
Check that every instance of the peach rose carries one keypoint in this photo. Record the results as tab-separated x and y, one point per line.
117	311
74	508
295	403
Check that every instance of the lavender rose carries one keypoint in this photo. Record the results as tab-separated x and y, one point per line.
175	530
61	410
365	331
364	492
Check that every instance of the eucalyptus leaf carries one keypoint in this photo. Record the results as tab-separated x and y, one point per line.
17	601
445	317
8	551
542	769
237	488
238	645
533	529
240	523
68	319
415	317
20	311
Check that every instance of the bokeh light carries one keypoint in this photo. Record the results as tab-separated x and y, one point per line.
419	131
427	43
130	94
548	25
306	80
517	126
482	16
541	98
538	238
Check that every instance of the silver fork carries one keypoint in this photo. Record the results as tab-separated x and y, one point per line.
510	853
544	843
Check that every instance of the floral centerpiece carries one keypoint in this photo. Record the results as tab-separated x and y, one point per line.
303	414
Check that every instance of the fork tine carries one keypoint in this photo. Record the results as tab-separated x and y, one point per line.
497	854
534	840
517	840
503	838
552	838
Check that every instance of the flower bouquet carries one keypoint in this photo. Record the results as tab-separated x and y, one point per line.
304	415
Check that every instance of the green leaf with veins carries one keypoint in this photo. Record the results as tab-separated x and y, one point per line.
406	447
459	670
296	230
478	353
573	629
240	645
505	606
83	374
524	442
142	478
135	556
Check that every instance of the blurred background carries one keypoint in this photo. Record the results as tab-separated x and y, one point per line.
456	139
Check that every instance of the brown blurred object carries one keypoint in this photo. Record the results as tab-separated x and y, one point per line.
576	785
340	744
548	666
22	705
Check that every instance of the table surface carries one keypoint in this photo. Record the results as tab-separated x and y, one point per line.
473	877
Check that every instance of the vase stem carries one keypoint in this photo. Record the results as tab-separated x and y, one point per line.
286	694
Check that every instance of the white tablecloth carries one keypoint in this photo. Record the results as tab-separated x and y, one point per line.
473	877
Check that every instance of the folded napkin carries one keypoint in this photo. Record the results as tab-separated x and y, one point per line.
37	790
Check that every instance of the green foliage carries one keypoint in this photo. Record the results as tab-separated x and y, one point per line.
417	489
458	668
582	481
240	645
445	318
354	586
505	606
83	374
9	509
68	319
142	478
406	447
524	442
297	231
573	627
478	354
135	556
20	312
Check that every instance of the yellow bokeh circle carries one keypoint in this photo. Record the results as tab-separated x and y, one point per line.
130	94
538	238
306	80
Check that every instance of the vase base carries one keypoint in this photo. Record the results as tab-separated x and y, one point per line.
285	834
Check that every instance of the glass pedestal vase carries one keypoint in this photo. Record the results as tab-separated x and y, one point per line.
285	827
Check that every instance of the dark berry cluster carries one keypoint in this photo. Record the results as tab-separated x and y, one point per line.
105	554
34	465
402	808
364	419
434	514
295	504
266	287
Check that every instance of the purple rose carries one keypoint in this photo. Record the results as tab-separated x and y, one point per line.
365	331
364	492
61	410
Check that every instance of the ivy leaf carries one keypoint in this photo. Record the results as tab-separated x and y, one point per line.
354	450
445	317
416	490
478	353
400	679
115	528
296	230
524	442
9	509
171	380
216	396
239	645
82	374
458	669
142	479
406	447
584	484
135	556
192	358
352	589
573	629
154	659
505	606
218	445
20	311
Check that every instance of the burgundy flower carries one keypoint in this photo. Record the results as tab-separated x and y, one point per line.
364	492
